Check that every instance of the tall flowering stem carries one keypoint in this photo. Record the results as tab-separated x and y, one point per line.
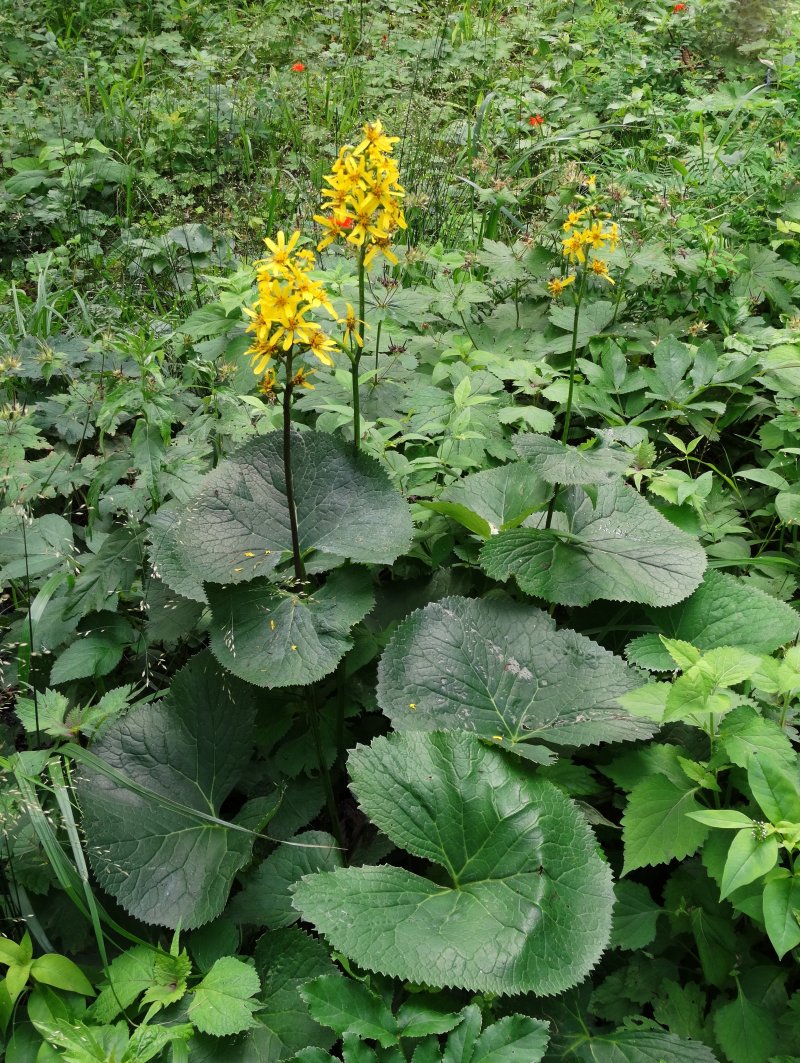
586	233
283	331
362	208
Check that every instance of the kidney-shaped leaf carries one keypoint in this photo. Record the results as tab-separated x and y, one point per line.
723	611
558	463
618	547
163	864
237	527
277	638
520	900
503	670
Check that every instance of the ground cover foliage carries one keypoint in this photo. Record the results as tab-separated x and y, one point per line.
399	636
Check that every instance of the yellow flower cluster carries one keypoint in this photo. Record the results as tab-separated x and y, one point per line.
586	233
286	295
364	196
594	235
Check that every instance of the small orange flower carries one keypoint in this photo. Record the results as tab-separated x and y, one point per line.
298	67
677	8
536	119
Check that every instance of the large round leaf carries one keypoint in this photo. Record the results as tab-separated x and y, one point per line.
723	611
277	638
163	864
238	526
504	671
520	900
616	546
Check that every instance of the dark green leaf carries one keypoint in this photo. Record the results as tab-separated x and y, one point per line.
558	463
523	911
723	611
277	638
237	527
162	864
618	547
503	670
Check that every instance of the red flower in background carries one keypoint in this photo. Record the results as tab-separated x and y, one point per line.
300	67
678	7
536	119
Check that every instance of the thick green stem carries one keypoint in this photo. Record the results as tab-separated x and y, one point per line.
299	567
359	348
572	359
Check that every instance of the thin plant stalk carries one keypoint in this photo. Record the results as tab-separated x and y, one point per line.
359	349
568	410
299	567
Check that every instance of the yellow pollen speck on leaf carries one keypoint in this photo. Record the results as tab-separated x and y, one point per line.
412	705
249	553
237	570
497	738
294	647
272	625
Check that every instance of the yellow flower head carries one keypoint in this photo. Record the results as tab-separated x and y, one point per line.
573	220
268	387
376	140
558	284
261	354
351	323
281	252
320	344
382	247
600	269
300	379
572	247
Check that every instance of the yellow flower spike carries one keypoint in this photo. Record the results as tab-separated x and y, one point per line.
572	247
613	236
558	284
600	269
